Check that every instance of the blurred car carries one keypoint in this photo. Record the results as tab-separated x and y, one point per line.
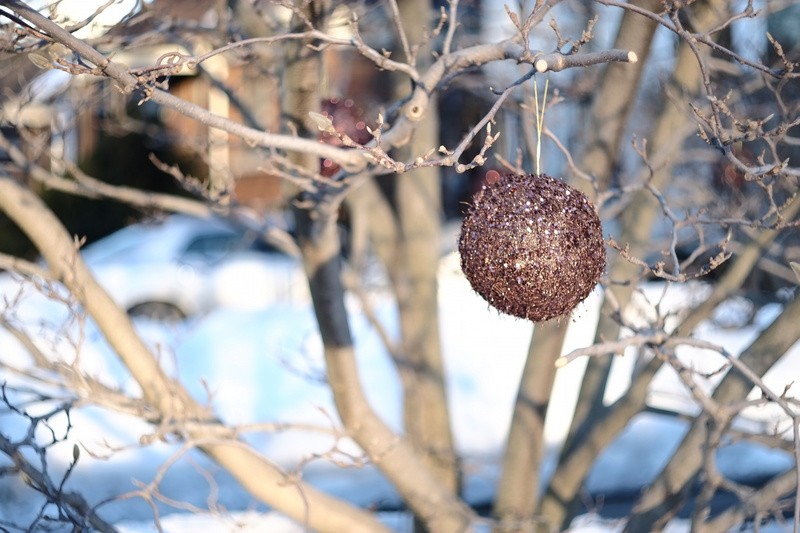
181	266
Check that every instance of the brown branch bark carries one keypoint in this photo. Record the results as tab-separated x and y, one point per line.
300	87
610	111
611	107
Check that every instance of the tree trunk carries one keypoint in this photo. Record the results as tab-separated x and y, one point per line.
435	504
419	213
301	86
637	222
613	102
518	489
407	464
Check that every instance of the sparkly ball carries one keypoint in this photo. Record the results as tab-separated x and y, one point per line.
532	246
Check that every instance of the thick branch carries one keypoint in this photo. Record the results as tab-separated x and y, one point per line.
557	62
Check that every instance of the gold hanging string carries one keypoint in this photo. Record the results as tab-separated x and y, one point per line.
539	118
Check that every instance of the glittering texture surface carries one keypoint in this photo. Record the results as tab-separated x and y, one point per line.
532	246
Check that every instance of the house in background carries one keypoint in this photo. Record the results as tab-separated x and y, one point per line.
243	84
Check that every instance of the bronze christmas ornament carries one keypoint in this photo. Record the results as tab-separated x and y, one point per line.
532	246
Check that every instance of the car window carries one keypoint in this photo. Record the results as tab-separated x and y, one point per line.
262	246
212	247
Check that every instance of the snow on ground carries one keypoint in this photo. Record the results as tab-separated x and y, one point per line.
265	364
252	522
244	522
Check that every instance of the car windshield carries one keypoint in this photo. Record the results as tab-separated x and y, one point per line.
215	246
211	248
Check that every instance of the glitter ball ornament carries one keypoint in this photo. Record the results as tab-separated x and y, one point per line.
532	246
